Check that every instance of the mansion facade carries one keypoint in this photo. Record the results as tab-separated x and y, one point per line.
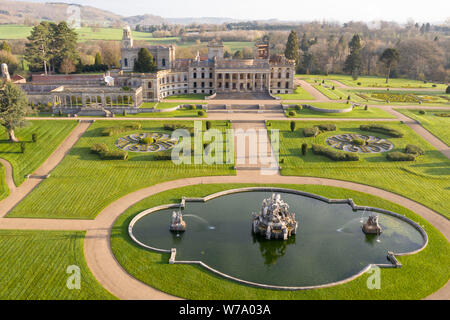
207	75
211	75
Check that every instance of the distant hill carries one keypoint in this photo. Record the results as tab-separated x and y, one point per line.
16	12
146	19
203	20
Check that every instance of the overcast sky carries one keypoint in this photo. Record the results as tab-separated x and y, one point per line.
303	10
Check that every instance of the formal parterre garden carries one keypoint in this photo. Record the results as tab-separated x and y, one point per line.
435	121
376	82
358	112
425	180
194	282
84	183
49	136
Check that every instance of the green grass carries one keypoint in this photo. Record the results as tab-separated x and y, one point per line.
167	105
187	97
426	180
149	105
357	113
439	126
375	82
194	282
33	266
4	191
50	135
299	94
82	184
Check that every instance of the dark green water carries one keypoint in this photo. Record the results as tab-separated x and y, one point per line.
329	245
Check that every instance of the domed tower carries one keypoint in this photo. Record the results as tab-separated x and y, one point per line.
127	39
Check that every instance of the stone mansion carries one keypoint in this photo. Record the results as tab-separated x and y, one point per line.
211	75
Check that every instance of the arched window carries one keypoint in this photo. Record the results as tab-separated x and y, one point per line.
125	62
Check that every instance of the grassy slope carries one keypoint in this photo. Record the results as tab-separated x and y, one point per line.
426	180
439	126
357	113
372	81
33	266
299	94
4	191
50	136
82	185
195	283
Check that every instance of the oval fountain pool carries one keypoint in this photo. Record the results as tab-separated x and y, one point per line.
329	246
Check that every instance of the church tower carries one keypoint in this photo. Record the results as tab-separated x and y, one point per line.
127	39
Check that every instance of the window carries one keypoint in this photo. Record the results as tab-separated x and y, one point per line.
163	62
203	84
288	75
287	85
210	84
149	85
195	84
210	75
279	85
195	75
125	62
203	75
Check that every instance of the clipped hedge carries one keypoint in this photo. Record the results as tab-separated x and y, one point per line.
333	154
112	131
327	127
311	132
382	129
173	127
414	150
105	154
400	156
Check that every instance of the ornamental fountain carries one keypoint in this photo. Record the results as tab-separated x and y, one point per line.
274	221
372	226
177	223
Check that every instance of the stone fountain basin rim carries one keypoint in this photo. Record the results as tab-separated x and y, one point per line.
390	255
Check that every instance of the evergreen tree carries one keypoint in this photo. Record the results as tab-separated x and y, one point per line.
98	59
352	64
5	47
389	57
292	47
144	62
13	108
38	52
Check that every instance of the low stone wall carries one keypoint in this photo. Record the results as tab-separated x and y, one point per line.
390	255
349	109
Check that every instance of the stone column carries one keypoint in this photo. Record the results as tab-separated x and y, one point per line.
253	82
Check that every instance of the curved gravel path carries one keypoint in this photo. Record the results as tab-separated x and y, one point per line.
97	249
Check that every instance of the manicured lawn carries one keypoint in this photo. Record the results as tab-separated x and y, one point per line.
357	113
439	126
193	282
149	105
83	184
4	191
50	135
376	82
426	180
33	266
187	97
330	105
299	94
167	105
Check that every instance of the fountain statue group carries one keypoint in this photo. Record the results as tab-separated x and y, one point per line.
177	223
372	226
274	220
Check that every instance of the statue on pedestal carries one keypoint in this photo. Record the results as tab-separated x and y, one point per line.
177	224
372	226
5	73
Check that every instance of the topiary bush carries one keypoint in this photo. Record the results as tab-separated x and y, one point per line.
447	91
327	127
201	113
99	148
359	142
292	113
34	137
334	154
414	150
293	125
147	140
23	147
311	132
421	112
304	148
208	125
400	156
382	129
103	151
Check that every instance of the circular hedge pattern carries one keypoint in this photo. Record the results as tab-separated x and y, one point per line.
360	143
135	143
